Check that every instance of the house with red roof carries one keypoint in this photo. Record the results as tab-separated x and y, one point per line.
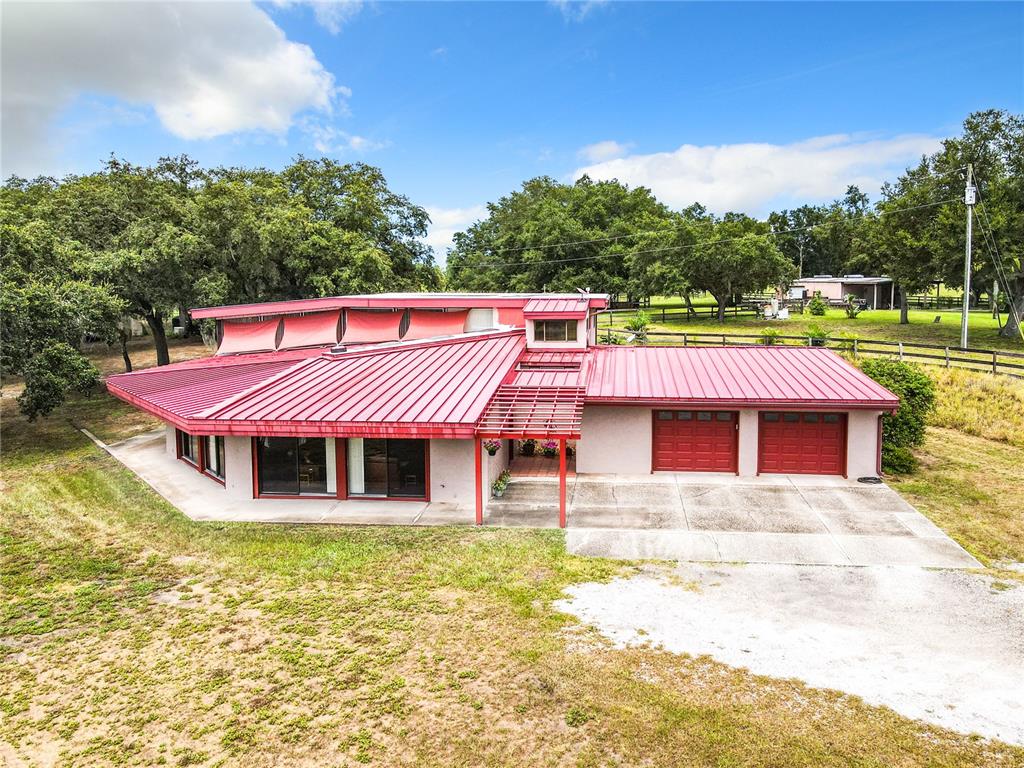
425	397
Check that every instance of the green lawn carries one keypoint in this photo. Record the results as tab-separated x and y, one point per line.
873	324
133	636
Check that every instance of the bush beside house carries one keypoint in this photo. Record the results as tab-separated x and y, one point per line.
904	429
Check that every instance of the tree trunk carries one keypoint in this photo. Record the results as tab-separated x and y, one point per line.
124	351
721	306
690	311
155	320
904	316
1012	330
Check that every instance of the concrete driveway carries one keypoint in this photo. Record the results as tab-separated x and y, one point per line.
943	646
768	519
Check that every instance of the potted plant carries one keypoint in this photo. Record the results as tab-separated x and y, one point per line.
492	446
816	335
528	446
550	448
498	486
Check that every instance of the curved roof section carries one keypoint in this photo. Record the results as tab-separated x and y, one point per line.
259	336
312	330
741	376
371	327
423	323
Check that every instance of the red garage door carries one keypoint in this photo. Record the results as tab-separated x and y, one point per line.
695	441
802	443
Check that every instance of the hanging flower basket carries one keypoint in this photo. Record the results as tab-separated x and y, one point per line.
492	446
550	448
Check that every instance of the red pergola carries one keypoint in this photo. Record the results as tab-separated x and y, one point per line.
542	413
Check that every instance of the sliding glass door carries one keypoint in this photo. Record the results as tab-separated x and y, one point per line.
386	467
292	466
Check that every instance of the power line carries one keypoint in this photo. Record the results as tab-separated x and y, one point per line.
988	233
667	247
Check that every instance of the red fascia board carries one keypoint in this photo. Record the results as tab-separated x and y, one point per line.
544	315
357	302
764	404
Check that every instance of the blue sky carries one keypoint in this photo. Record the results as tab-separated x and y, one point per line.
741	106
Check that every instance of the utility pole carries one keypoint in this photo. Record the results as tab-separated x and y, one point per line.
969	195
801	270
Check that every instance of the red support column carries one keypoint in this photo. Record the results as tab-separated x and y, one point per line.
477	447
561	483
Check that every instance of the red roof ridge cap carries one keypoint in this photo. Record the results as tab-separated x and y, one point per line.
431	341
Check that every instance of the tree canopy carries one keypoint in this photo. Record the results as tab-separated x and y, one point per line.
81	253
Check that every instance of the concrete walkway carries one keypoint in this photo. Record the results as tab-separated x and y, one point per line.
672	516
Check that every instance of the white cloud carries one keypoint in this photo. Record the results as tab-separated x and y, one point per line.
756	178
577	10
603	150
445	222
328	139
332	15
206	69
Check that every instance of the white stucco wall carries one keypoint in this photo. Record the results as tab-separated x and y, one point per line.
238	466
580	343
452	470
862	444
614	439
171	440
748	443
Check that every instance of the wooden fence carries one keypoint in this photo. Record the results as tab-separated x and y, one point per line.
990	360
679	313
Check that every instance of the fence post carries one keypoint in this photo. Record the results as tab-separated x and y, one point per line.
723	340
854	349
684	339
947	357
995	361
901	351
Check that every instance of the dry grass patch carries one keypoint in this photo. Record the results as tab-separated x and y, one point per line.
971	488
979	404
133	636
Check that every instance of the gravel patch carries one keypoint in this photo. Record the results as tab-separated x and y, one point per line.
945	647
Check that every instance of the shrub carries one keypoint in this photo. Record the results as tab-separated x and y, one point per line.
639	324
904	429
612	338
817	305
769	336
527	447
852	307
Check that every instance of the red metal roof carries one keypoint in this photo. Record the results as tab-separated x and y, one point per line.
743	376
179	391
428	389
558	308
551	369
386	301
